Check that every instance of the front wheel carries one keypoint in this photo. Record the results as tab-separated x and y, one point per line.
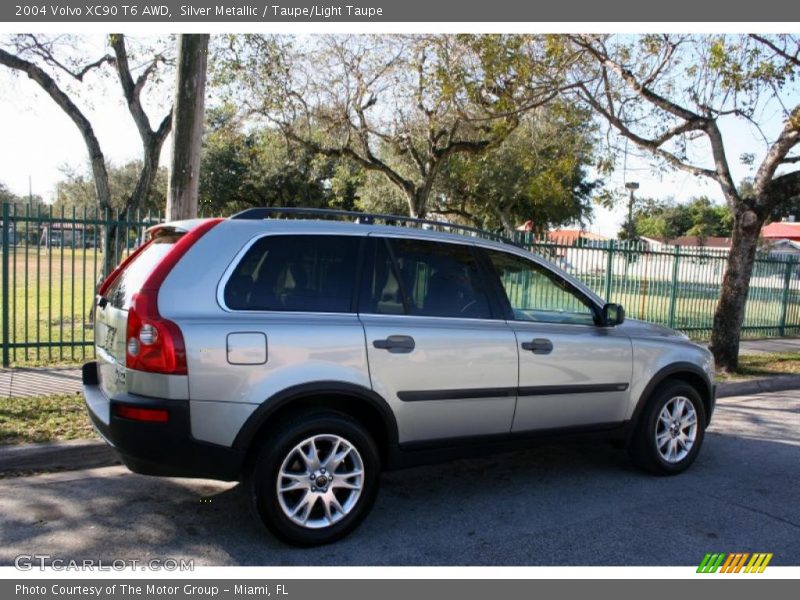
316	480
671	430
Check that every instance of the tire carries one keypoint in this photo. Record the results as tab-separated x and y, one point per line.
314	506
663	444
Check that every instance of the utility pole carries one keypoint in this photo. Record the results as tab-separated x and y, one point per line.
632	186
187	126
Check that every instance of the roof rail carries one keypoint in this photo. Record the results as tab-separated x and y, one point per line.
368	219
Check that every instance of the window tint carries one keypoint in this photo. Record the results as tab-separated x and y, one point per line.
432	279
132	278
313	273
536	294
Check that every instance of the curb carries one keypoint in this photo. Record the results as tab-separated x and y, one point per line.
56	456
88	454
756	386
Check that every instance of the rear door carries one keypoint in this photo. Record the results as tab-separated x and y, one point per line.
438	351
572	371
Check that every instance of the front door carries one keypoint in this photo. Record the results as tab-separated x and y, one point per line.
572	371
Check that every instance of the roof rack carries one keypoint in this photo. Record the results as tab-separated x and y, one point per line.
369	219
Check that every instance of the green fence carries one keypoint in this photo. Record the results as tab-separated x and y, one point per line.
679	286
51	263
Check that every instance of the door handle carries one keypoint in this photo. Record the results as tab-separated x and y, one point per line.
538	346
396	344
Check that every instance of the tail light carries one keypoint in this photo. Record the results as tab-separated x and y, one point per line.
155	344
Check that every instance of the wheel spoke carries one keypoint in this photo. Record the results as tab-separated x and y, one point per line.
662	439
312	458
340	483
298	482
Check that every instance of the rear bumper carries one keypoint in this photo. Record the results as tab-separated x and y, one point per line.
165	449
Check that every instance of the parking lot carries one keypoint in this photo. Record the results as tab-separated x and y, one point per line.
551	505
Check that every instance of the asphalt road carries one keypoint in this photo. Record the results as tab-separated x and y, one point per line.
553	505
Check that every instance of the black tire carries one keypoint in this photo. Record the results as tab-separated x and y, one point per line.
644	449
262	478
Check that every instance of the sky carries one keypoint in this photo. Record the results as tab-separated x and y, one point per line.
39	140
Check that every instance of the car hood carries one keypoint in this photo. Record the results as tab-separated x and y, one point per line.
636	328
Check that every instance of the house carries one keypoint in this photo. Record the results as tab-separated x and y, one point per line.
781	230
688	241
784	246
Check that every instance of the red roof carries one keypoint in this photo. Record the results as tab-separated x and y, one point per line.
781	230
570	236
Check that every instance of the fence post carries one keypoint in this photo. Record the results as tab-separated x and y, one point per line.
6	358
787	281
609	269
674	293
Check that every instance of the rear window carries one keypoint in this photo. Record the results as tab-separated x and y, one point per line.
120	293
300	273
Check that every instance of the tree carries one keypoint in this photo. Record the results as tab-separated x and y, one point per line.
538	174
57	63
399	106
669	93
76	190
260	167
187	125
667	220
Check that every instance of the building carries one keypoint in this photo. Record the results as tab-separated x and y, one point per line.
781	230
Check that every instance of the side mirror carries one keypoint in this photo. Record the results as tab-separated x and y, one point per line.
613	314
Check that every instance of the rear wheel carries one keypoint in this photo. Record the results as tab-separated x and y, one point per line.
317	480
671	430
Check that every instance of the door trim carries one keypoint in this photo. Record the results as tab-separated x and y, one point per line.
505	392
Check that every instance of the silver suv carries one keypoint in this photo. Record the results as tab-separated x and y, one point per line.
302	357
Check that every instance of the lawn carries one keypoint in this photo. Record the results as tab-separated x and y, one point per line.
44	419
754	366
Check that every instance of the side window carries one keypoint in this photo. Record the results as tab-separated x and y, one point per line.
536	294
305	273
431	279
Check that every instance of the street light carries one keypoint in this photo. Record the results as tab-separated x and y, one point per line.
632	186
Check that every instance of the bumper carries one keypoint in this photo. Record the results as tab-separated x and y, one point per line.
712	402
157	448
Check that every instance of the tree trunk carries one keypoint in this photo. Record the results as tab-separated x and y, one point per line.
187	126
729	315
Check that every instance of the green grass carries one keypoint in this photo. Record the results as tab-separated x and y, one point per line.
755	366
50	302
57	417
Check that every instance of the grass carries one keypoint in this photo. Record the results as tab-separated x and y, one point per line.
52	418
754	366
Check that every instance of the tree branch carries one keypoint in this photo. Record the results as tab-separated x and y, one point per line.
794	59
66	104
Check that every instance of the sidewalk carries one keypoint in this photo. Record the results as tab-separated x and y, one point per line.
23	382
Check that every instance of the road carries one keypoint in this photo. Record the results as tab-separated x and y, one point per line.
552	505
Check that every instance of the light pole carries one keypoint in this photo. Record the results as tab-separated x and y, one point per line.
631	186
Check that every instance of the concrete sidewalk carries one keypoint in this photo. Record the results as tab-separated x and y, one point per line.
30	382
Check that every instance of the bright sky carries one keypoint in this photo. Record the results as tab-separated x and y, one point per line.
38	139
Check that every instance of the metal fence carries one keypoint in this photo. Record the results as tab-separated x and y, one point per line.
51	263
52	260
679	286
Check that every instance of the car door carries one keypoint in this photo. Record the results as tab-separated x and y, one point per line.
437	348
573	372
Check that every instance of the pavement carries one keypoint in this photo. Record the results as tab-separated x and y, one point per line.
550	505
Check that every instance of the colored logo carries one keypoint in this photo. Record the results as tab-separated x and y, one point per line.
735	562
